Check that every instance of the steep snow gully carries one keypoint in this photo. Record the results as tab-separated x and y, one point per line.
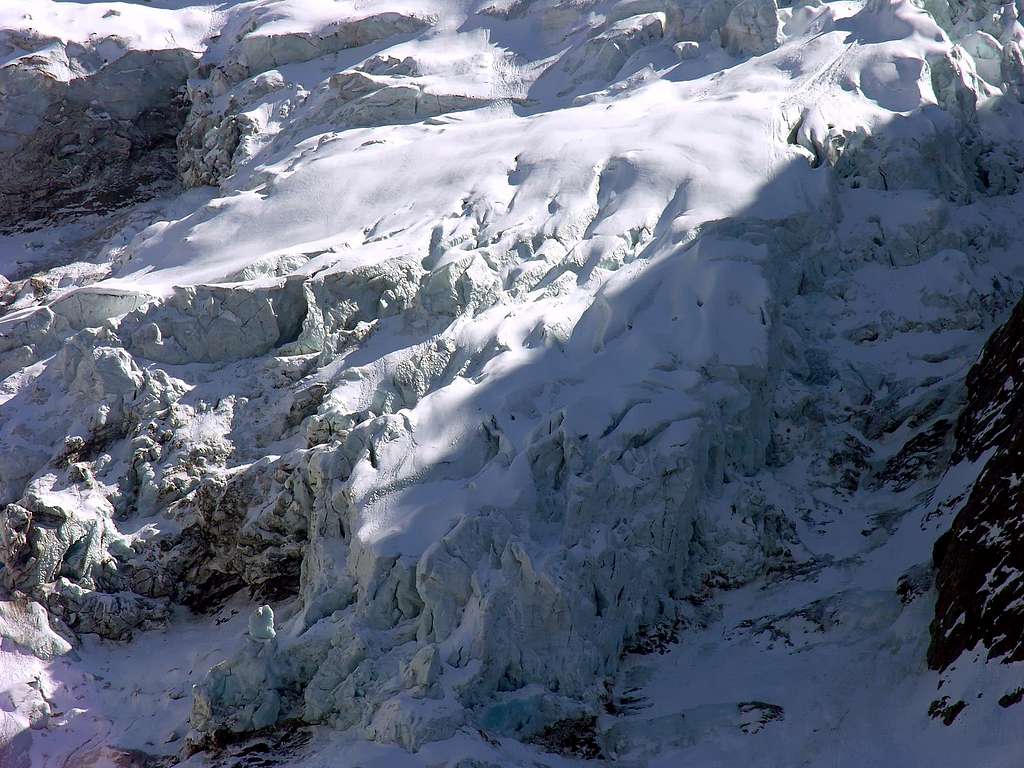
530	382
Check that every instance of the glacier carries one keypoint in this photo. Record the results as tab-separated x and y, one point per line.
501	383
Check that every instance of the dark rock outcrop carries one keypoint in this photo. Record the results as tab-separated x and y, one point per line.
980	560
98	141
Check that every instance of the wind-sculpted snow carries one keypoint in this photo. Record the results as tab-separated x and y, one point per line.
474	360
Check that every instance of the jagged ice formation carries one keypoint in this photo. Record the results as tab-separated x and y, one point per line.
464	334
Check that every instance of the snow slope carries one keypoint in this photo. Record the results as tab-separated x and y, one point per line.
489	343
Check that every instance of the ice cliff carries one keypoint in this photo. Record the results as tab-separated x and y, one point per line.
423	360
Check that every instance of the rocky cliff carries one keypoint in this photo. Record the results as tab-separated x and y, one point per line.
978	560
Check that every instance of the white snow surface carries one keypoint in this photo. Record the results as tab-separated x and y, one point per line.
591	326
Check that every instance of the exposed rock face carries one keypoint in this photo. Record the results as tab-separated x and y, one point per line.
83	131
980	560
